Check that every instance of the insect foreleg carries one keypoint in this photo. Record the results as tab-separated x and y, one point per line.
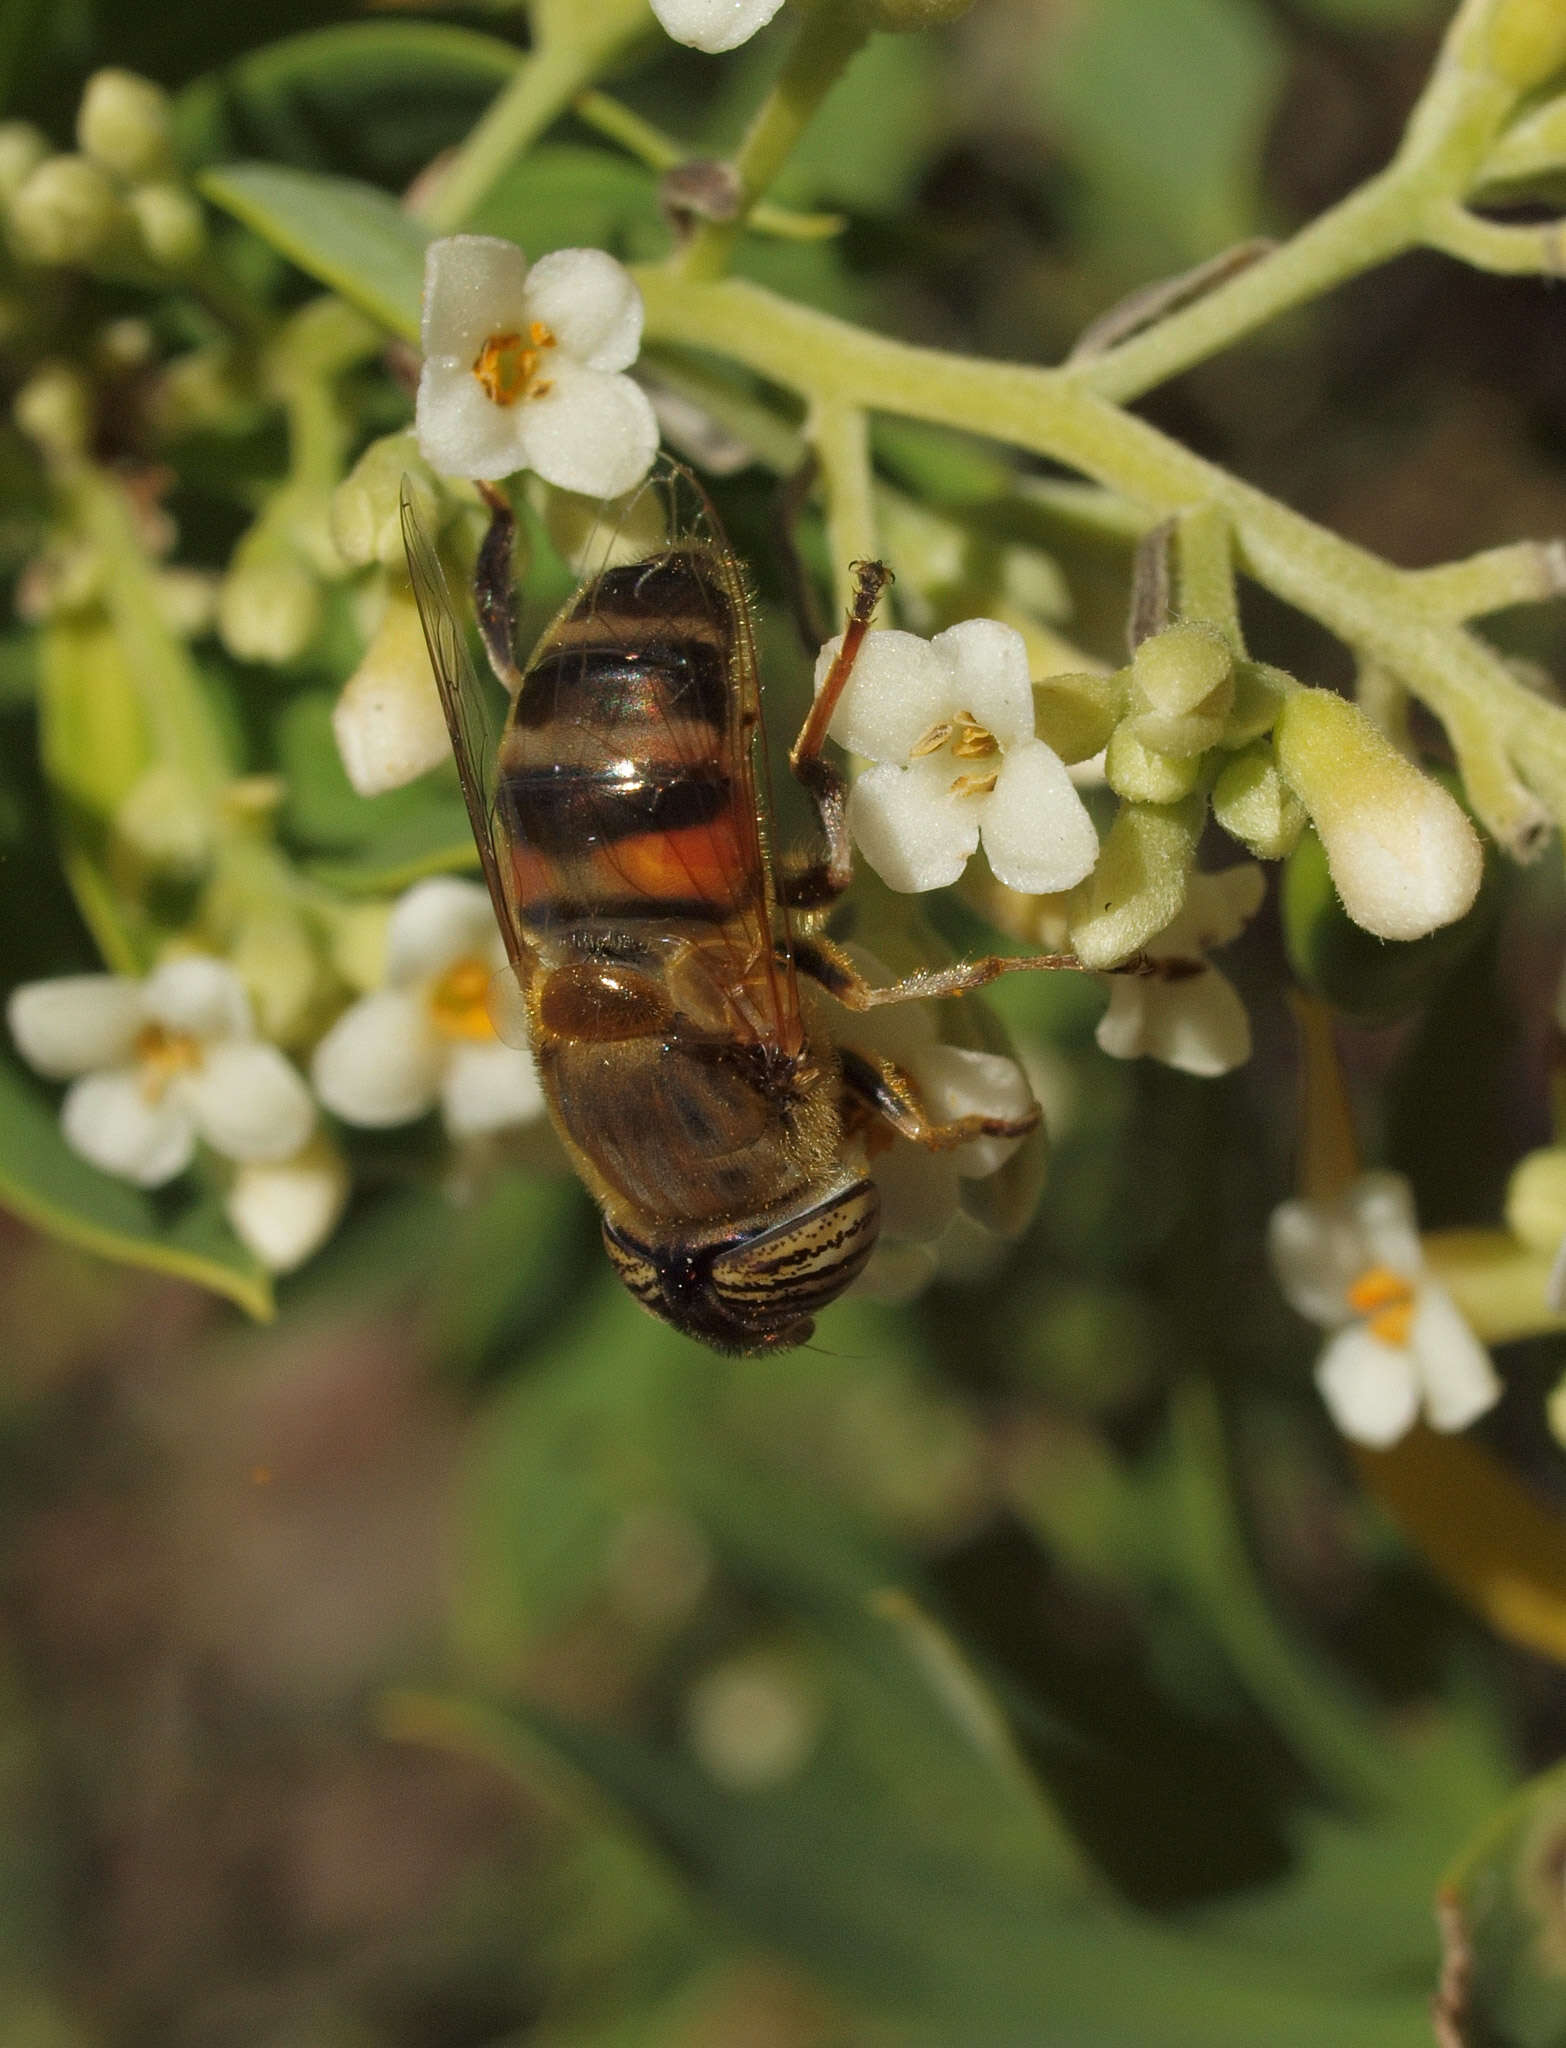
887	1092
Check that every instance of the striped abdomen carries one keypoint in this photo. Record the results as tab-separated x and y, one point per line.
624	790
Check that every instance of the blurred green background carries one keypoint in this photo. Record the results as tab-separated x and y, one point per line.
463	1658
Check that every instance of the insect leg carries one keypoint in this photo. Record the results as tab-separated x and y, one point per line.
883	1089
831	968
495	590
820	882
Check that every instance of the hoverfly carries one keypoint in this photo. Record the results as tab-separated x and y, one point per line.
684	1011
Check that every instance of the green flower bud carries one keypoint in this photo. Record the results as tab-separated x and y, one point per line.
1403	857
268	610
123	123
1259	691
65	211
366	509
1528	41
54	410
1185	668
1076	713
22	149
163	821
1536	1199
1139	883
1134	771
272	954
1253	804
170	223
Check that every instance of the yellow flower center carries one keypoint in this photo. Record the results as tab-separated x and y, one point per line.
507	365
969	741
1386	1301
458	1001
162	1056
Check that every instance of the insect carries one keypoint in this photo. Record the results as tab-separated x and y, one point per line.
685	1012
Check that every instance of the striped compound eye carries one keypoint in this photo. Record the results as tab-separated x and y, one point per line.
783	1276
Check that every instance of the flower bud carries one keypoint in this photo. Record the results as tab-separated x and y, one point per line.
199	391
52	409
1139	774
283	1213
1139	884
1536	1199
270	951
165	822
65	211
1253	804
1259	691
22	149
169	221
123	123
268	610
366	508
1403	857
389	724
1528	41
1182	668
1075	714
187	598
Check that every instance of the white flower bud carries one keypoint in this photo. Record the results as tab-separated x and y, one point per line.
52	408
268	610
389	724
714	25
65	211
170	224
366	508
1402	854
284	1213
22	149
1536	1199
123	123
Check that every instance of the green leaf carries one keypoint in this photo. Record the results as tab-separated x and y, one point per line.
376	99
1163	109
44	1182
564	196
1506	1915
350	236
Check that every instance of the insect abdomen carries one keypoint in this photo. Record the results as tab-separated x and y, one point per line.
615	787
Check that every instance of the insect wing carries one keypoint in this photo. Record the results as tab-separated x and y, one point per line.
470	716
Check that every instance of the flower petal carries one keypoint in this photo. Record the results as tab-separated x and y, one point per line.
488	1088
914	833
1315	1256
1459	1380
1371	1390
955	1081
714	25
249	1101
461	431
898	689
110	1120
987	663
435	924
380	1064
75	1023
590	304
1037	834
285	1212
1217	908
473	288
1380	1207
592	431
195	993
1198	1025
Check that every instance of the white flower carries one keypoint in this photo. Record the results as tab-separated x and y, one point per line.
1355	1266
426	1035
156	1064
522	367
1194	1022
714	25
285	1212
949	724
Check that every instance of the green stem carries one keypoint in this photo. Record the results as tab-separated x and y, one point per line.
830	33
1371	606
840	436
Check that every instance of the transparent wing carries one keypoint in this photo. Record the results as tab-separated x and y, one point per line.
471	717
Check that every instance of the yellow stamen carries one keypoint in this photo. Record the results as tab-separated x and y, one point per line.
1386	1301
458	1008
932	741
975	785
507	366
973	741
162	1056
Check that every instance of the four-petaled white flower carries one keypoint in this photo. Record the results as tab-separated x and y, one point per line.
285	1211
949	724
427	1036
1355	1266
1193	1021
714	25
156	1064
522	368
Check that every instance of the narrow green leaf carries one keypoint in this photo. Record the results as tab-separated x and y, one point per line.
47	1185
350	236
